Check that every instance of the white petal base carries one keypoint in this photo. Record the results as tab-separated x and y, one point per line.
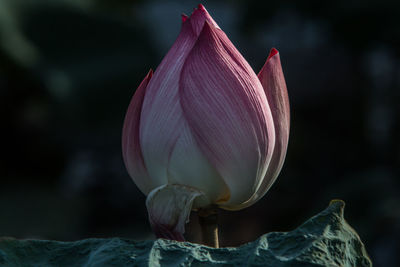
169	208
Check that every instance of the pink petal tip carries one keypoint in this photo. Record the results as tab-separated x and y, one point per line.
167	232
184	17
272	53
201	7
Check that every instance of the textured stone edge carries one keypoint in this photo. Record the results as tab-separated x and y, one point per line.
307	245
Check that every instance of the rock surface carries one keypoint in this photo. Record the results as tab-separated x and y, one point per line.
324	240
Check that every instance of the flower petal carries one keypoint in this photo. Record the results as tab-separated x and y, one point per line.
184	17
199	17
162	118
227	111
131	150
272	79
169	208
188	166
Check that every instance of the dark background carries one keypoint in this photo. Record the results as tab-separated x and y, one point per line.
69	68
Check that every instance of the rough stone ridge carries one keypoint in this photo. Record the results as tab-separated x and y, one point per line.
324	240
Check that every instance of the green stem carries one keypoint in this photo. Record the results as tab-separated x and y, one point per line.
209	226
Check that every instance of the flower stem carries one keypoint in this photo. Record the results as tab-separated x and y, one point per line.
209	226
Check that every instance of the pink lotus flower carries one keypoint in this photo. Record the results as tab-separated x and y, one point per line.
204	129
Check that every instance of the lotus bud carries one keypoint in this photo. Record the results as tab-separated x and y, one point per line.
204	129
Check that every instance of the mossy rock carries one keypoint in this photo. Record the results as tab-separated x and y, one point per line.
324	240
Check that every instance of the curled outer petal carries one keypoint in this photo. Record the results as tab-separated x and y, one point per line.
228	113
273	81
169	208
131	148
